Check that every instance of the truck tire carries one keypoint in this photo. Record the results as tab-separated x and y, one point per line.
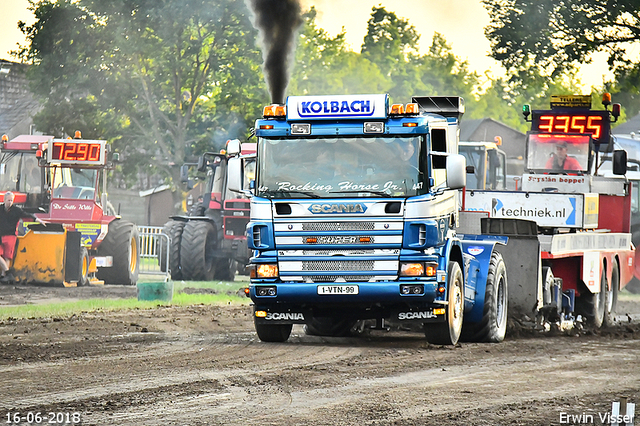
197	250
593	305
226	269
330	327
273	332
448	332
611	299
493	326
173	229
121	243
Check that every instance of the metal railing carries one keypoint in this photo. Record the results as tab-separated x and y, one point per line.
154	251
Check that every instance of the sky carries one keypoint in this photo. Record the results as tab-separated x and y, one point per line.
461	22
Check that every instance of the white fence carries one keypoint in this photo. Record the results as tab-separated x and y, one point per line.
154	250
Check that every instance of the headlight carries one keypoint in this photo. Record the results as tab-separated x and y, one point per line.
411	269
266	270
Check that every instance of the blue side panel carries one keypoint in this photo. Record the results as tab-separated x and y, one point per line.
480	248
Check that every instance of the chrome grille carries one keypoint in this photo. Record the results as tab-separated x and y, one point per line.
338	226
333	278
341	265
334	252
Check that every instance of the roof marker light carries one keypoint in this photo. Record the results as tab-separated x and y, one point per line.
396	109
606	99
412	109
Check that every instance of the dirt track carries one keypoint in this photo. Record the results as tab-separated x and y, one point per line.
203	365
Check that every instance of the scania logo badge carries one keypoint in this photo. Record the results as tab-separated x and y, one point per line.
333	208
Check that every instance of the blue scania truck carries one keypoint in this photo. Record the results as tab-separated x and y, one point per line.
354	210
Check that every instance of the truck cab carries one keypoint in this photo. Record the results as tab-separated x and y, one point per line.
489	163
353	215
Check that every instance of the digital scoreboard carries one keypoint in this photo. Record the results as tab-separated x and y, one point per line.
594	123
79	152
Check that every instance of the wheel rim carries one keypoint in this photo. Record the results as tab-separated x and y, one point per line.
502	302
85	268
457	306
133	260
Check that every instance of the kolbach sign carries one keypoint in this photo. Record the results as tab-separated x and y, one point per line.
337	107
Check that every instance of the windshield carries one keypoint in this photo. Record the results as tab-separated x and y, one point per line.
341	167
20	172
79	184
558	153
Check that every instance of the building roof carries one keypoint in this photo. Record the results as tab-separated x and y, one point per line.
630	126
17	103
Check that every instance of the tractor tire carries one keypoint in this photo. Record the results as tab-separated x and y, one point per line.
226	269
448	332
197	210
593	305
330	327
121	243
173	229
493	326
197	250
611	299
83	280
273	332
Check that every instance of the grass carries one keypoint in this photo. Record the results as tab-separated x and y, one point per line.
226	293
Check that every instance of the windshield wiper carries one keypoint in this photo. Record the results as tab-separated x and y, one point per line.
382	194
307	193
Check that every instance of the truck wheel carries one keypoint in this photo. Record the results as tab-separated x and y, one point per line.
593	305
226	269
331	327
493	326
448	332
173	229
273	332
84	267
611	299
121	243
197	250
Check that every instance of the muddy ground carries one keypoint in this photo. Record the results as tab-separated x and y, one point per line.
203	365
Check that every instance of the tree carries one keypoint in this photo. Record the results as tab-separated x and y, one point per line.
324	65
557	35
161	80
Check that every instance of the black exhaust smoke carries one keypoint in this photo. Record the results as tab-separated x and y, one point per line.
277	21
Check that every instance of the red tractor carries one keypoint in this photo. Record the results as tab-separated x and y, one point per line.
63	182
210	243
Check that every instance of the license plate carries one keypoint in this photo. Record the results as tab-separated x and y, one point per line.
337	289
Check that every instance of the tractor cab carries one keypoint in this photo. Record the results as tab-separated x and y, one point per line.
21	174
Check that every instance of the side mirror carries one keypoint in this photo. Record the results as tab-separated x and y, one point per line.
184	173
234	174
456	171
619	162
202	164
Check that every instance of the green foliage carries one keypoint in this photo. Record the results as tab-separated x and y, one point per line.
324	65
556	35
162	80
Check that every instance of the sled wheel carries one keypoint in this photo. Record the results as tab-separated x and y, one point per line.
611	299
